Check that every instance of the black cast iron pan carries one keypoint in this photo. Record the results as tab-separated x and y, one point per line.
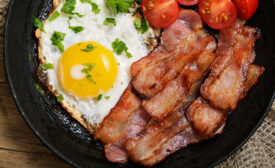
69	140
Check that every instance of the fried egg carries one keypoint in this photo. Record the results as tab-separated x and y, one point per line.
88	75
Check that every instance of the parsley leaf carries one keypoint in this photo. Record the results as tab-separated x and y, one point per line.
119	46
117	6
29	58
142	25
57	39
76	29
38	24
108	21
60	98
88	48
95	8
47	66
87	71
107	97
53	16
39	88
99	97
69	7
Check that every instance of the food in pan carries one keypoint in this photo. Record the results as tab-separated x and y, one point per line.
142	92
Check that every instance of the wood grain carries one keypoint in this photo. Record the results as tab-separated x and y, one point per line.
2	71
19	147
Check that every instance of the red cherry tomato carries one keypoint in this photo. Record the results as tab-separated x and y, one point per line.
188	2
160	13
218	14
246	8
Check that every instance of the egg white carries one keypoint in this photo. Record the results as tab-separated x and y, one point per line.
91	111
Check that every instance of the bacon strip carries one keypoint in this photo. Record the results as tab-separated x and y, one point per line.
125	120
224	85
176	91
180	44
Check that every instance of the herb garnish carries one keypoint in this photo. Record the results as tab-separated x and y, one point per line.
107	97
60	98
108	21
87	71
88	48
57	39
76	29
54	16
38	24
142	25
119	46
117	6
47	66
99	97
39	88
29	57
95	8
69	7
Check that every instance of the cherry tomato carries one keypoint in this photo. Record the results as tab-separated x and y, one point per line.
246	8
218	14
160	13
188	2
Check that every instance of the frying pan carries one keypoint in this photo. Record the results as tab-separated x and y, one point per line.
69	140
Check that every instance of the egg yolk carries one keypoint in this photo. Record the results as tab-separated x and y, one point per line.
87	69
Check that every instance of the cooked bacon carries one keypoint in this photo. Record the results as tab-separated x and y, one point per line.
224	86
125	120
143	146
178	90
180	44
253	74
205	118
182	139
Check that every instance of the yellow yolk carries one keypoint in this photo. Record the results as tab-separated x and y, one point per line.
87	69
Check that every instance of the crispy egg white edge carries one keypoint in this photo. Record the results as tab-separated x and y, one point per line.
74	113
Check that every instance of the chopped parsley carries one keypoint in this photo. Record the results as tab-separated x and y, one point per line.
39	88
60	98
121	83
107	97
87	71
117	6
99	97
76	29
142	25
69	7
54	16
29	57
57	39
95	8
88	48
38	24
47	66
108	21
119	46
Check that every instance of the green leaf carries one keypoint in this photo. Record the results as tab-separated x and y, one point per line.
76	29
88	48
38	24
39	88
142	25
57	39
95	8
117	6
119	46
29	57
47	66
53	16
108	21
69	7
60	98
107	97
99	97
